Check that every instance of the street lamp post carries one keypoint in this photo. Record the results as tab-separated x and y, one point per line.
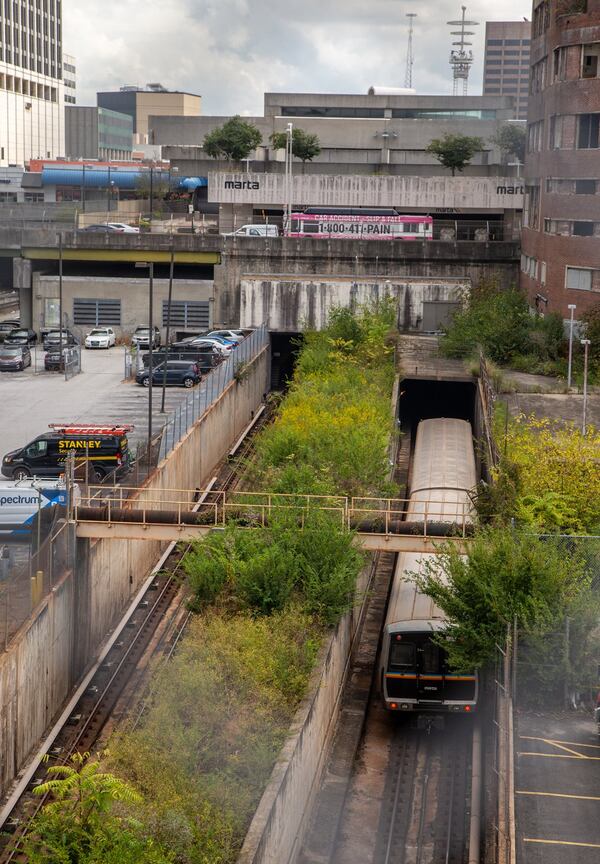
150	267
288	176
572	307
586	345
168	333
151	190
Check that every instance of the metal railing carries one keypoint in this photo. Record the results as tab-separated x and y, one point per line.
439	518
212	385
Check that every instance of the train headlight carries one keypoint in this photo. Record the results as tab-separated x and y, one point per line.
393	706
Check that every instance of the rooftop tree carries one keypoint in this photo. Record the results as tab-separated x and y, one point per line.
235	139
455	151
510	139
305	146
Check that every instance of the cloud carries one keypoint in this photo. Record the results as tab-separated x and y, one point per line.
232	51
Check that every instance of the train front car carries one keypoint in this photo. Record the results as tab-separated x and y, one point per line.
415	675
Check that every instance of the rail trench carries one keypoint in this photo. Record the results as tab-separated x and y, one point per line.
118	683
396	790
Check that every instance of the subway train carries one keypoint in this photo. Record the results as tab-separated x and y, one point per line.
414	673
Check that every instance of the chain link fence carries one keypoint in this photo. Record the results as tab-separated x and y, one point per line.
211	387
30	570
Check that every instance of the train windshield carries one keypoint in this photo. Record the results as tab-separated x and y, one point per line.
402	654
430	659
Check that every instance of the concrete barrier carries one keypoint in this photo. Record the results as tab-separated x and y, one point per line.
63	635
276	831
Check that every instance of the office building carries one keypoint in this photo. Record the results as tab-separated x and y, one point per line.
70	79
358	134
153	100
561	236
97	133
31	86
507	61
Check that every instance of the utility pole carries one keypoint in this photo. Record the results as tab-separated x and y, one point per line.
586	345
572	307
168	334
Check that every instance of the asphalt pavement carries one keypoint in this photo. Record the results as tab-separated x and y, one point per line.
557	789
30	400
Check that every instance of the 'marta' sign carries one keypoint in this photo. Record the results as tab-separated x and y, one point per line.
242	184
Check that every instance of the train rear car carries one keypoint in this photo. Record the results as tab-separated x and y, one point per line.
414	671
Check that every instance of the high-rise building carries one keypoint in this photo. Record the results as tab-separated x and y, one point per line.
31	86
561	234
97	133
506	64
70	79
152	101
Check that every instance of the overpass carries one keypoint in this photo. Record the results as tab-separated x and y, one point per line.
170	515
288	282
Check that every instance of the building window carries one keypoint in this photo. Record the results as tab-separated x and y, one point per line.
187	314
585	187
560	64
538	76
97	312
579	279
589	60
589	127
535	133
583	229
531	207
34	197
8	197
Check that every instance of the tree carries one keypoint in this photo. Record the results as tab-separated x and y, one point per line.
504	575
305	146
235	139
78	825
510	139
455	151
159	186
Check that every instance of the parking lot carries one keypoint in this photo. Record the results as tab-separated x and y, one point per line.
557	789
30	400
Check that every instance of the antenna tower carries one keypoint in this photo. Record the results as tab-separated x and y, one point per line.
461	59
409	51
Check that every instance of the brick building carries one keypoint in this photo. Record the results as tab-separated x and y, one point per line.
561	236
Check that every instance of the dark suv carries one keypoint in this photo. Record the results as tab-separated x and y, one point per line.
182	373
206	357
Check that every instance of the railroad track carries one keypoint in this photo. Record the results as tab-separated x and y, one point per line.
81	726
424	818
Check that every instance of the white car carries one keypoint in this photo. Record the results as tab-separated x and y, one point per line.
224	350
123	227
100	337
232	335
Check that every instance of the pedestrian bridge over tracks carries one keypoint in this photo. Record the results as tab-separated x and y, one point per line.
127	513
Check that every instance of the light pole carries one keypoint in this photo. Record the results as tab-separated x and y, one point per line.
150	267
288	176
572	307
168	333
586	345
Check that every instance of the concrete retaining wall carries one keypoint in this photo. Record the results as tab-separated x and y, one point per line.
50	652
276	831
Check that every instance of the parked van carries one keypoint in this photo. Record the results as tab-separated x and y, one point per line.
255	231
22	500
106	448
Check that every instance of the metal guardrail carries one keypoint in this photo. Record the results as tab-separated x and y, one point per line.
173	507
212	385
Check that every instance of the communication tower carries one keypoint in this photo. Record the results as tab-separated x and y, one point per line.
409	50
461	59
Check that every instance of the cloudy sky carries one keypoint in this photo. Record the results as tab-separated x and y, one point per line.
232	51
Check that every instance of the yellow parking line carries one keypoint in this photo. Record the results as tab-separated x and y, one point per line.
561	756
558	741
561	842
560	795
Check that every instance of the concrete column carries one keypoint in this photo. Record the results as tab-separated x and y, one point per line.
22	284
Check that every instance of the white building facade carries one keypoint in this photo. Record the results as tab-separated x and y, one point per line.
31	82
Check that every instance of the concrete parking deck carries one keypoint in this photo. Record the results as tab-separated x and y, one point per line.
557	789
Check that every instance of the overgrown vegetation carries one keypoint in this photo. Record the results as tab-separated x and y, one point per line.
235	139
548	479
498	320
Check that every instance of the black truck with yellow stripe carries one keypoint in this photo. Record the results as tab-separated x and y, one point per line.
98	451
